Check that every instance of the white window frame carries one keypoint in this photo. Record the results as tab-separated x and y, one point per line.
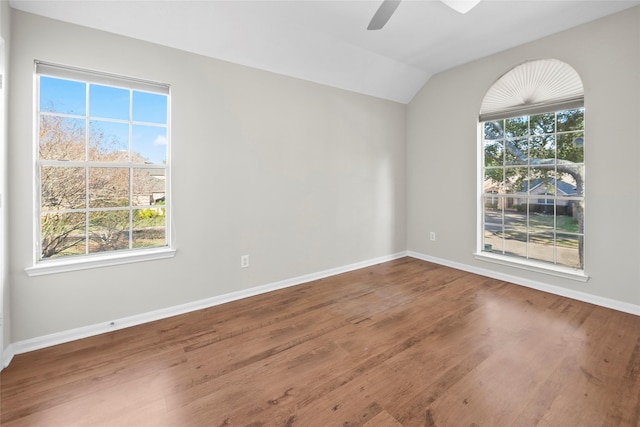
100	259
520	261
533	87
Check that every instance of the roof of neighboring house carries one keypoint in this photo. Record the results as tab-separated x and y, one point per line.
564	187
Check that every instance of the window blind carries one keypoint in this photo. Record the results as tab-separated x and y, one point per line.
532	88
72	73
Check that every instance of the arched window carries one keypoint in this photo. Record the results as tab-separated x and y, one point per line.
532	180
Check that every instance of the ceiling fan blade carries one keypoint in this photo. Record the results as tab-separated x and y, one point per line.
461	6
383	14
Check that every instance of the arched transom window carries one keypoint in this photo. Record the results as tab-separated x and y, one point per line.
532	180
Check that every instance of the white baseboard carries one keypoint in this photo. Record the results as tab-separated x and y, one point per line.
100	328
556	290
7	355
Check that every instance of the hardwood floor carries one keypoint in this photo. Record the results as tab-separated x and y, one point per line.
404	343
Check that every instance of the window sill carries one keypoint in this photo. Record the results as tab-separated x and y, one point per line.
95	261
539	267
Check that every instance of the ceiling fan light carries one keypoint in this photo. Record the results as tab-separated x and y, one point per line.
461	6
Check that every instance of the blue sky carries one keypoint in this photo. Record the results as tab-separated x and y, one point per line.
110	103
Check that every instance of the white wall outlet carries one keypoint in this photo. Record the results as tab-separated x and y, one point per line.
244	261
432	235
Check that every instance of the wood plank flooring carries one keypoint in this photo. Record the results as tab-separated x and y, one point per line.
404	343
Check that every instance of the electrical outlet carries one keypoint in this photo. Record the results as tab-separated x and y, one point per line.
244	261
432	235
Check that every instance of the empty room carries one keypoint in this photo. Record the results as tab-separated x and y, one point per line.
374	213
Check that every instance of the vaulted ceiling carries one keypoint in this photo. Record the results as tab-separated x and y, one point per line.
327	41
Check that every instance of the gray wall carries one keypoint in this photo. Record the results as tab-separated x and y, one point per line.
301	177
5	34
442	166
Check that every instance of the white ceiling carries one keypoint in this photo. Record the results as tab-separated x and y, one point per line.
326	41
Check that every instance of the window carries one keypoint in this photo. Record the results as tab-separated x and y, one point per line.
533	171
102	168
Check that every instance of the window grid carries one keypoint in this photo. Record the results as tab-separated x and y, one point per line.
132	206
507	195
